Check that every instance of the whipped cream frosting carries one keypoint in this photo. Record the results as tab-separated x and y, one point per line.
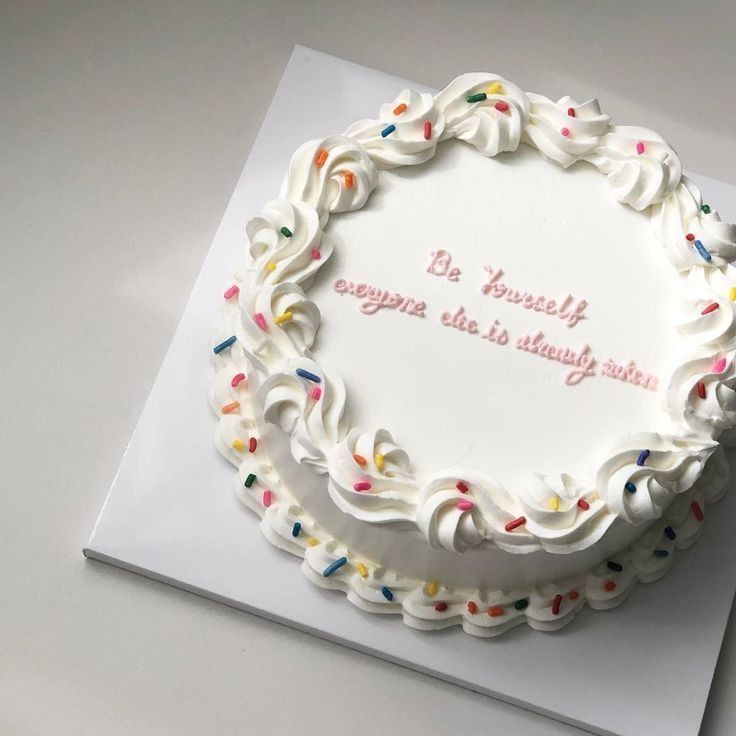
651	485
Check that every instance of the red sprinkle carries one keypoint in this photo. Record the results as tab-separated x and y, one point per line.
556	603
502	106
440	606
462	487
495	611
573	595
701	389
609	585
472	607
252	444
267	498
231	292
515	524
571	112
711	308
427	130
583	504
237	379
690	237
697	511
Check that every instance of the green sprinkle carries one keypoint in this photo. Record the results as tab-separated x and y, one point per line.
706	209
250	480
476	98
521	604
285	231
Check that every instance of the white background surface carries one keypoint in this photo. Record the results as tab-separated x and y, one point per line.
124	129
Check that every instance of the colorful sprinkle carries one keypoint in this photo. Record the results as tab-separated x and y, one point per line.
307	375
334	566
521	604
432	588
630	487
697	511
427	130
400	108
565	132
250	480
260	320
296	529
360	460
706	209
238	444
690	237
465	505
573	595
320	158
609	585
230	408
556	603
554	503
701	390
267	498
494	88
387	594
362	570
312	541
238	378
502	106
615	566
440	606
286	232
661	553
379	460
362	486
583	504
232	291
703	252
515	524
571	112
719	366
252	445
643	455
316	393
462	487
711	308
281	319
224	345
388	130
732	294
495	611
349	179
270	267
640	148
670	532
478	97
472	607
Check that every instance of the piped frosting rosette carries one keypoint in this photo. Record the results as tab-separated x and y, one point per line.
702	395
485	110
371	478
645	471
565	131
333	174
308	403
406	132
639	165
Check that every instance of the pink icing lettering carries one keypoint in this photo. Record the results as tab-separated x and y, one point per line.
377	299
441	265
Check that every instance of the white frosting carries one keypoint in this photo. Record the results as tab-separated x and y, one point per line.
648	487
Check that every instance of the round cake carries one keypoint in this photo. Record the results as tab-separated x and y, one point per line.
497	386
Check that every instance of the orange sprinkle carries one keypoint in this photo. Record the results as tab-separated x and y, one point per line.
472	607
230	408
609	585
360	460
349	179
495	611
400	108
320	158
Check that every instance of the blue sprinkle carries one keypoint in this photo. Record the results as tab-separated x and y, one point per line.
661	553
703	251
336	565
388	130
387	594
630	487
296	529
224	345
670	532
643	455
309	376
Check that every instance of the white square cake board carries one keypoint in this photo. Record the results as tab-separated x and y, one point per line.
645	667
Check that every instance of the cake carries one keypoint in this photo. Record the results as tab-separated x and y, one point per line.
477	364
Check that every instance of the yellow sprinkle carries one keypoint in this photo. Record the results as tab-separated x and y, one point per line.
363	570
554	502
238	444
380	460
312	541
432	588
271	266
494	88
281	318
732	294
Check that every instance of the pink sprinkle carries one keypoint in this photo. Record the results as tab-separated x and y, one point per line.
362	486
260	320
237	379
565	132
465	505
571	112
232	291
316	254
316	393
267	498
640	148
719	366
502	106
427	130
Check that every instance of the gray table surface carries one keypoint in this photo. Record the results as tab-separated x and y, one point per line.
123	128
